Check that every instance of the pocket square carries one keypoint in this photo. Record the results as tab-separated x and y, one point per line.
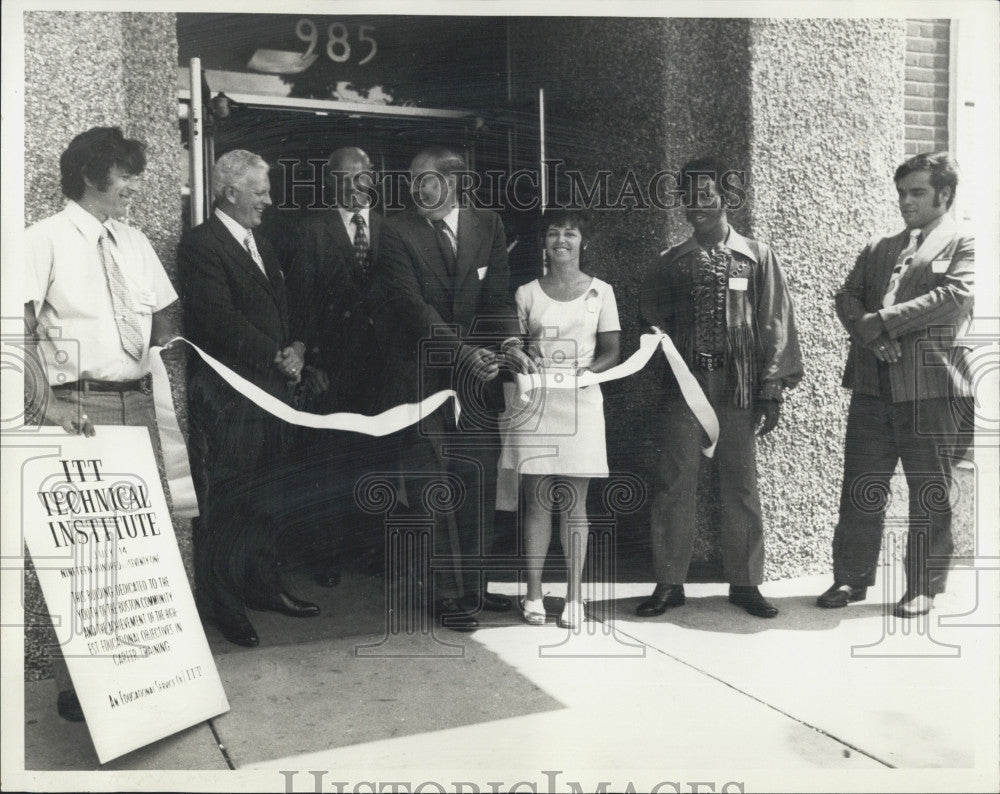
482	272
940	265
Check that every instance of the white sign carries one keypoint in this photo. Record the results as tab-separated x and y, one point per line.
96	523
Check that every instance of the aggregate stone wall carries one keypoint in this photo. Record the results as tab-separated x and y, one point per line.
827	134
103	69
812	110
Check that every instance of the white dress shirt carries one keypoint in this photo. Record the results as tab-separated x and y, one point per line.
66	285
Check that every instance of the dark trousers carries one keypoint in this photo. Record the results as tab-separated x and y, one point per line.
234	450
322	516
452	473
673	513
924	435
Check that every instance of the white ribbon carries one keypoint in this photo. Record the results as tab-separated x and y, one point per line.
648	343
175	457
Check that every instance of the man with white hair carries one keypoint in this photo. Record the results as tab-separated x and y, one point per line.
235	309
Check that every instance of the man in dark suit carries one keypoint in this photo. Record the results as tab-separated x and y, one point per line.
444	311
329	284
906	304
235	309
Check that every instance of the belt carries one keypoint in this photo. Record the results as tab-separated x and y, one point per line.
709	362
85	385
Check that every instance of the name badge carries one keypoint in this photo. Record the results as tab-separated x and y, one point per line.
482	272
738	283
940	265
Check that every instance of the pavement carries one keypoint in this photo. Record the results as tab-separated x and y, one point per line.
703	698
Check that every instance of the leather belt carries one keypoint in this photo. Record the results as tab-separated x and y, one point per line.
709	362
85	385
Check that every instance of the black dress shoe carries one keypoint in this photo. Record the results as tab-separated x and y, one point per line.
68	706
840	595
450	614
752	601
489	602
286	604
235	627
664	597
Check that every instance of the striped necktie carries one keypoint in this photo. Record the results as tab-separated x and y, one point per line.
902	264
251	246
446	243
361	247
121	297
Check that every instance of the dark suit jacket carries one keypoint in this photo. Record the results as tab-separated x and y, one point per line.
240	318
330	306
417	298
932	312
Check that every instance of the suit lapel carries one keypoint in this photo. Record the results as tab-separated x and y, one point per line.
238	253
375	221
886	266
937	241
338	232
426	240
470	236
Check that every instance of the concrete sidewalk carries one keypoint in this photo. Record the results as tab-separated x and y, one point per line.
816	697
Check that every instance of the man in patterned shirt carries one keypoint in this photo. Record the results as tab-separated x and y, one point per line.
722	299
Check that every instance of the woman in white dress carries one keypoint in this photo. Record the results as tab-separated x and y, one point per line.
556	442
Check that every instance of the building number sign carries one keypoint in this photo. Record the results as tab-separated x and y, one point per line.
338	41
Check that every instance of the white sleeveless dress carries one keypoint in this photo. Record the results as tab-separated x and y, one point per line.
560	431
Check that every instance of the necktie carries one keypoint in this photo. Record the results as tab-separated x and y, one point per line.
361	247
121	298
446	243
902	263
251	247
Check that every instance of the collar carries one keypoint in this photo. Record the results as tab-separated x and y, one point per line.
941	221
88	224
347	216
734	241
237	229
451	221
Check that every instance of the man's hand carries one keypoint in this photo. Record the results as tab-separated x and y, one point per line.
68	418
480	361
172	352
770	412
519	361
290	361
886	349
868	327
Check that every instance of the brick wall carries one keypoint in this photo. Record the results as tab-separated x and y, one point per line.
926	91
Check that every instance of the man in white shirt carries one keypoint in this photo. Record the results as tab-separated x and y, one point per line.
95	302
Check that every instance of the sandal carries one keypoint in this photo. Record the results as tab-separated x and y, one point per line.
572	616
534	611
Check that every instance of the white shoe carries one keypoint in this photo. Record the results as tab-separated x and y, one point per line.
572	616
534	611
